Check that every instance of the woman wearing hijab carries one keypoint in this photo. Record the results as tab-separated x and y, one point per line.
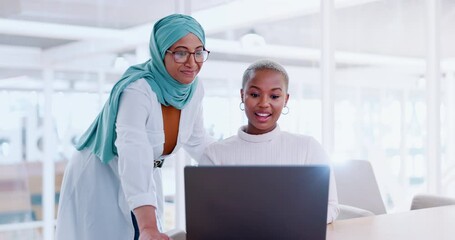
112	186
264	95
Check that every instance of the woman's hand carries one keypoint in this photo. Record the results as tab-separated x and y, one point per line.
152	234
146	221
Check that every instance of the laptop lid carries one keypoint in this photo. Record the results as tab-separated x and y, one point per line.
256	202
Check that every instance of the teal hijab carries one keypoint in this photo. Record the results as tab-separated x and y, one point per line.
100	136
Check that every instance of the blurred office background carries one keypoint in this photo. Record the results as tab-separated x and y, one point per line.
370	79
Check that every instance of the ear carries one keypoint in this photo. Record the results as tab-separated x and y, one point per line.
287	98
241	94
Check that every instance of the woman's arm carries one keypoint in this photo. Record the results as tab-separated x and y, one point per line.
135	155
146	219
333	209
317	155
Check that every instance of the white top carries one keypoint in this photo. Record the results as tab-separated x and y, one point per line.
140	139
273	148
97	199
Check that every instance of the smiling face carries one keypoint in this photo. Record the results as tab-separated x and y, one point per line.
264	96
187	71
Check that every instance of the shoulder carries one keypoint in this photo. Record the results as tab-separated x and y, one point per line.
297	138
140	86
225	145
303	142
217	152
140	95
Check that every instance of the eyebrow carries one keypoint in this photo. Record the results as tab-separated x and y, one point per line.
273	89
188	48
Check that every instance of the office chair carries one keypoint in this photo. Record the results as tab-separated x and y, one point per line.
358	191
430	200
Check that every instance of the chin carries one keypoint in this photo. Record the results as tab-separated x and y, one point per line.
264	129
186	80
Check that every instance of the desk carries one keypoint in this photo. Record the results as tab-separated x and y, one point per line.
424	224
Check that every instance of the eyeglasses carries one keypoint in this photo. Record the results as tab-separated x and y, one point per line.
182	56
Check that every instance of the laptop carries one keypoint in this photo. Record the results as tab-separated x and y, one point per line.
256	202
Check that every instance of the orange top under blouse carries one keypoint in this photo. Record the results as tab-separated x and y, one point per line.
171	120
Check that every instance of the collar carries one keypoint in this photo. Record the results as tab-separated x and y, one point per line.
266	137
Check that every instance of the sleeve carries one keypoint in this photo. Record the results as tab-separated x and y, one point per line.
199	139
207	159
135	153
317	155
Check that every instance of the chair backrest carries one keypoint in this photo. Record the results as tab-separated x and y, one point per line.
357	186
429	200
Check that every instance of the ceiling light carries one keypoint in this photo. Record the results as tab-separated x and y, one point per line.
120	63
252	39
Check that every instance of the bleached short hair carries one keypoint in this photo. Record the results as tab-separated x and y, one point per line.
264	64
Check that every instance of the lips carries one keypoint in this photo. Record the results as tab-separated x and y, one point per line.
262	117
189	72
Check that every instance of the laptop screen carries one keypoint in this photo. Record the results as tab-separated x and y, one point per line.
256	202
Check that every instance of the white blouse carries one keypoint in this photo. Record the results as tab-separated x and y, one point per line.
97	199
140	139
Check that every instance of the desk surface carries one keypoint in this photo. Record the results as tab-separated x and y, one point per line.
424	224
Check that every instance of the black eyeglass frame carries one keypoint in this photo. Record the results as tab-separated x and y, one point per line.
194	55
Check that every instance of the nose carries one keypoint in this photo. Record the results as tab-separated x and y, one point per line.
263	101
191	61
